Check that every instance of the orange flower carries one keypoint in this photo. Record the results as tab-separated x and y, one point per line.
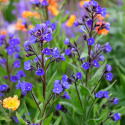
5	1
101	17
30	26
36	14
71	20
27	14
103	31
3	32
11	103
82	2
52	7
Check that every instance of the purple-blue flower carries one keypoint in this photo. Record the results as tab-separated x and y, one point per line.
96	63
36	59
108	68
89	22
85	65
66	41
40	72
13	78
107	26
46	51
27	65
66	95
17	64
91	41
68	52
64	78
106	94
65	85
117	116
63	57
28	86
3	87
115	101
79	75
58	107
20	74
103	12
48	37
53	26
76	23
55	52
99	94
101	58
98	9
109	76
10	50
57	89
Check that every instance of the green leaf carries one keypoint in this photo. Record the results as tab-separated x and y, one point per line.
84	91
20	119
97	39
27	113
4	119
72	106
84	55
106	89
40	97
48	120
57	121
51	81
97	74
85	32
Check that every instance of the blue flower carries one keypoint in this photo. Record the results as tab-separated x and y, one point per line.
101	58
94	3
99	94
68	52
57	89
63	57
57	82
65	85
13	78
16	119
103	12
96	63
17	64
32	39
11	35
48	37
48	22
117	116
115	101
40	72
76	23
28	86
36	59
58	107
64	78
91	41
10	50
86	4
106	94
98	9
3	87
85	65
66	41
14	41
27	65
109	76
55	52
20	74
108	68
108	48
17	48
107	26
89	22
46	51
79	75
53	26
66	95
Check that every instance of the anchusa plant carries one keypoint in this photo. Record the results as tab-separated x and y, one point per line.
74	97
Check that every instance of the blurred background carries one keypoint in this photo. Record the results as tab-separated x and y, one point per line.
12	20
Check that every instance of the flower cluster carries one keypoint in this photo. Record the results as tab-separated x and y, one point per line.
24	87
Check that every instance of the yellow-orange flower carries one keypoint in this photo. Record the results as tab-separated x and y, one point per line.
11	103
3	32
71	20
27	14
82	2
